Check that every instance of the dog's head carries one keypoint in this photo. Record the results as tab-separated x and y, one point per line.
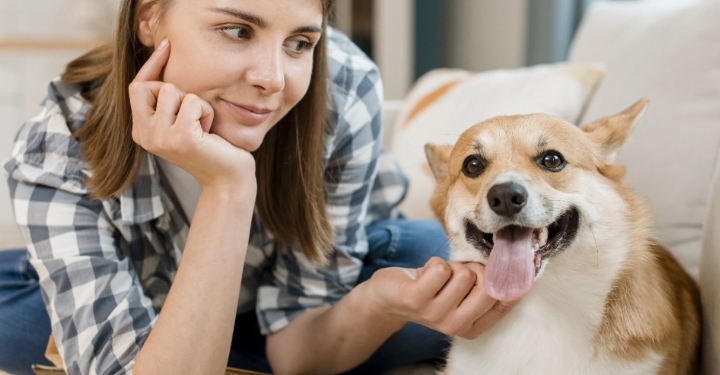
515	191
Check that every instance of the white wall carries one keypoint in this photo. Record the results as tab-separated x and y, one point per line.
487	34
394	44
37	39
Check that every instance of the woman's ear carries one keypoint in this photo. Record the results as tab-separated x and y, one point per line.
147	18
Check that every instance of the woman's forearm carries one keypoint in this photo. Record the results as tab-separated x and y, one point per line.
193	333
330	340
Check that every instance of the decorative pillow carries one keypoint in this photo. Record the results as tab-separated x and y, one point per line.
445	102
671	54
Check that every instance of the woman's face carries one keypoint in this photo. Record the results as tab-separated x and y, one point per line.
251	60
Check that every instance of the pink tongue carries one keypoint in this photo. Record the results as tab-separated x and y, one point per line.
510	271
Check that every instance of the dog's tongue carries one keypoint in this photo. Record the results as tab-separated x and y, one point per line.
510	271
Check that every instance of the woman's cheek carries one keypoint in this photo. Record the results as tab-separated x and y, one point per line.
297	80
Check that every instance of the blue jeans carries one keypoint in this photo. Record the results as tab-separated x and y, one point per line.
25	325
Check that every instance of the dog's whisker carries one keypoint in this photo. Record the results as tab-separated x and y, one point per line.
597	252
445	243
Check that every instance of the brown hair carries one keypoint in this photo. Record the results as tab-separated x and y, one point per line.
291	197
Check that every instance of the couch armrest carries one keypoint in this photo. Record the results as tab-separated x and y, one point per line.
10	237
710	280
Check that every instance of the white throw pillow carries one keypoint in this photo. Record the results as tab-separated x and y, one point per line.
445	102
671	54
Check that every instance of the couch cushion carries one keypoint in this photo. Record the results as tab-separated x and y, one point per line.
445	102
671	54
710	280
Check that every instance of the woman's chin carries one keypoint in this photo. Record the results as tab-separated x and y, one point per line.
240	136
246	144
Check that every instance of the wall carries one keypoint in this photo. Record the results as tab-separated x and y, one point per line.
393	44
484	35
37	39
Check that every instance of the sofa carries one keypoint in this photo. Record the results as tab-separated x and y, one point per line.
622	51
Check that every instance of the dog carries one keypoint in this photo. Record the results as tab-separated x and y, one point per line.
543	205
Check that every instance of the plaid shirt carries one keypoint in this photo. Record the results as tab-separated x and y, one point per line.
106	266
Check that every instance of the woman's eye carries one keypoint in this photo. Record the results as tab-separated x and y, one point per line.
553	161
473	166
236	32
300	45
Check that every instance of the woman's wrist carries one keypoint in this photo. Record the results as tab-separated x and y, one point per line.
239	192
375	306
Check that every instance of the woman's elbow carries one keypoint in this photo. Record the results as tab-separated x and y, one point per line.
283	359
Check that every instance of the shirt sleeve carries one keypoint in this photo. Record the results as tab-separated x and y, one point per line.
99	314
294	285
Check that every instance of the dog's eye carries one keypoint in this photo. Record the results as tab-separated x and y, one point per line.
552	161
473	166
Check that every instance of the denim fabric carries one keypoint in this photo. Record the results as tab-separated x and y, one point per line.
25	326
24	323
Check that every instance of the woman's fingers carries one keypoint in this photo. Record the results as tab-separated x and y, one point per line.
145	88
144	97
152	69
453	293
460	306
431	279
170	98
194	111
499	310
206	116
446	296
472	309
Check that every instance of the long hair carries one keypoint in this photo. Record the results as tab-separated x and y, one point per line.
289	168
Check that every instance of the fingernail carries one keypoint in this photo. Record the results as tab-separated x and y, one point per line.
163	44
410	272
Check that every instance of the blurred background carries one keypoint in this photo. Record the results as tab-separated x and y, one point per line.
406	38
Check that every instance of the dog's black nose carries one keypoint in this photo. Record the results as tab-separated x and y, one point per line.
507	199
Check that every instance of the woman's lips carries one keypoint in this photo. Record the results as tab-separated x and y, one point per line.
250	116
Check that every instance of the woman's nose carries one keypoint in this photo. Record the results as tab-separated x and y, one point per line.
267	71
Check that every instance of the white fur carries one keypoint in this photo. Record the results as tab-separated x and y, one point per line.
552	329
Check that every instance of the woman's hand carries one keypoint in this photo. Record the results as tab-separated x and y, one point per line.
176	127
446	296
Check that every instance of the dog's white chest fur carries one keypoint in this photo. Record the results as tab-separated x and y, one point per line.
545	334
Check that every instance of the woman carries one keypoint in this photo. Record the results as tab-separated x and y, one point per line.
217	112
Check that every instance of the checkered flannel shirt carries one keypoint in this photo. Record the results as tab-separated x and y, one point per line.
105	267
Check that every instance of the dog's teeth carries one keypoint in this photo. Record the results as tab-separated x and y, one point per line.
542	237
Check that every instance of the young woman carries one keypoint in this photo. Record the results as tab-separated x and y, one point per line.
260	126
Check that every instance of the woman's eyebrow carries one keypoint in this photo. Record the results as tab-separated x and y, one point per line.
261	23
307	29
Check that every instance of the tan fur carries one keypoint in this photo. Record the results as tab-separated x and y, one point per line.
653	305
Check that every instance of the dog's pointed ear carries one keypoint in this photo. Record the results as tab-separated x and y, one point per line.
611	132
438	156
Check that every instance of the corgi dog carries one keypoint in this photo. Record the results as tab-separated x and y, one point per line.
543	205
